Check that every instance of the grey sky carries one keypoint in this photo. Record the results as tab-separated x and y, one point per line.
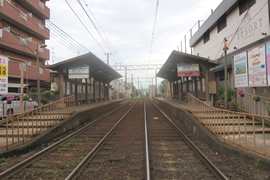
128	26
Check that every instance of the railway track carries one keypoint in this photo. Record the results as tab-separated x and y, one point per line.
116	146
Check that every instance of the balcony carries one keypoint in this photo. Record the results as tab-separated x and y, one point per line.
23	21
31	72
22	46
38	7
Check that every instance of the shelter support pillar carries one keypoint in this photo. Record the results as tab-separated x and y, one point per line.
196	87
86	90
99	91
182	92
104	92
94	89
171	89
177	89
76	91
61	84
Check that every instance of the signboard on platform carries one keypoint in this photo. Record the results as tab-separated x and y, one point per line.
78	72
257	66
188	70
268	61
240	70
3	74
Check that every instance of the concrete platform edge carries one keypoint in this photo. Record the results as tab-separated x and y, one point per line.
67	125
201	131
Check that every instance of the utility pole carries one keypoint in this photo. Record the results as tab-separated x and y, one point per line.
156	82
225	48
138	86
108	55
125	81
132	86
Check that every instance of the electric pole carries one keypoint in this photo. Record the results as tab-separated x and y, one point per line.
225	48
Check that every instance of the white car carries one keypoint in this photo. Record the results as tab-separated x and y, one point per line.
8	107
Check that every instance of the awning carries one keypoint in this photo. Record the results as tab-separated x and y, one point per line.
15	85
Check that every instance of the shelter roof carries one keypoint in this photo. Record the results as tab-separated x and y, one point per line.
98	69
169	69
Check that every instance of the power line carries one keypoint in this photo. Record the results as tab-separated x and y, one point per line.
85	26
153	30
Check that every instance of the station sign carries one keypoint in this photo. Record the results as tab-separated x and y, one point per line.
78	72
188	70
3	74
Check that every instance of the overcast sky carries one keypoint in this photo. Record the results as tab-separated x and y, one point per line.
128	25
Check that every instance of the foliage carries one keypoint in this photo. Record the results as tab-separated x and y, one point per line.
47	94
113	96
256	98
33	94
266	102
241	92
221	90
3	161
107	176
45	101
258	164
162	86
222	97
25	98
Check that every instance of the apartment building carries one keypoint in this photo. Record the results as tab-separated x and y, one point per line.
22	32
245	25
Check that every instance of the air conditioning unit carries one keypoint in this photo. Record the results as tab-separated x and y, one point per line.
41	27
22	41
41	4
23	16
29	39
6	29
1	3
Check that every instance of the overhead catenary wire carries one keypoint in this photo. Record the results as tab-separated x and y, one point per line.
96	28
85	27
153	32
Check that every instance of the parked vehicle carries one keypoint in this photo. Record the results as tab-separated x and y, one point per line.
10	104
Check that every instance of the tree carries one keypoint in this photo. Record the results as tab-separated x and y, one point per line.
162	86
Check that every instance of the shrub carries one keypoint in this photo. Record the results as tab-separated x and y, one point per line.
222	97
221	90
33	94
45	101
25	98
47	94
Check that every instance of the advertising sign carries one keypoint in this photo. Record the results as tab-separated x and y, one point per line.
78	72
188	70
268	61
257	66
240	70
3	74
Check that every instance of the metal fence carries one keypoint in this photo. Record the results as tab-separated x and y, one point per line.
21	126
246	130
247	104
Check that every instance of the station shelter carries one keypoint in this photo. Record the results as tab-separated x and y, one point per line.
197	84
94	87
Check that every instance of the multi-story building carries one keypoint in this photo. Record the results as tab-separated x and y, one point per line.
22	32
245	25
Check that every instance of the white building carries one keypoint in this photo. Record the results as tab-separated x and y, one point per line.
245	25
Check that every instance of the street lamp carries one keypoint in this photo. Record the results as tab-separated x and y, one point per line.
38	78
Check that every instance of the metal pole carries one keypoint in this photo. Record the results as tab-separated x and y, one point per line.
225	72
108	59
38	78
132	86
22	82
138	87
156	82
125	81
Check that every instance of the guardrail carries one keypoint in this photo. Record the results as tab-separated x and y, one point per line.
19	127
243	129
247	104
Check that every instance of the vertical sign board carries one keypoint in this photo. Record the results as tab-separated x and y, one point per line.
240	70
268	61
188	70
78	72
3	74
257	66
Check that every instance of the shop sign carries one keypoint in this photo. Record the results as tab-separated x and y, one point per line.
188	70
240	70
78	72
257	66
3	74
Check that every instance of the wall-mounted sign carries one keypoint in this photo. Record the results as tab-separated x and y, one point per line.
188	70
257	66
240	70
268	61
78	72
3	74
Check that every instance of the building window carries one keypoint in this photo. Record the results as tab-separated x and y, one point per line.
206	37
245	4
222	23
221	75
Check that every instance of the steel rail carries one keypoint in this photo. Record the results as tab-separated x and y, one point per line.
146	144
11	171
75	173
211	166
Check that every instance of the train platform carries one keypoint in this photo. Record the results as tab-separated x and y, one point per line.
174	102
